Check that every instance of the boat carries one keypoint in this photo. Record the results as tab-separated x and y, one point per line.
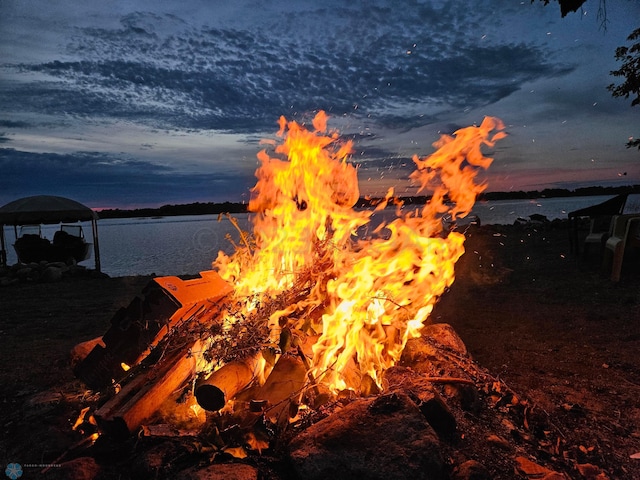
49	210
68	246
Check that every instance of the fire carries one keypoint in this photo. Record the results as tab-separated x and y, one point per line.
365	296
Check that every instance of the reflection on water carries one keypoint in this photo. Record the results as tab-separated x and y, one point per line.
165	246
188	244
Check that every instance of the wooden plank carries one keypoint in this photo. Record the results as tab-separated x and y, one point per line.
142	396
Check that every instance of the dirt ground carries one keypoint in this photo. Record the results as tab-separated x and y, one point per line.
555	329
549	324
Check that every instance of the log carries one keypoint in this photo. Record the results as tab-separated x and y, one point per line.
283	388
214	392
136	329
144	394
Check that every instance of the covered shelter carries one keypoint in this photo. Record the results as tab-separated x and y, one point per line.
46	209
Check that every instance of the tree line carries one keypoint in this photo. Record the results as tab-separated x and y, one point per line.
211	208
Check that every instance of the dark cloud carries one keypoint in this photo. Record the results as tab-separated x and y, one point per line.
13	124
165	72
104	179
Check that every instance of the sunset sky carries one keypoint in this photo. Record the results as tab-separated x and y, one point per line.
146	103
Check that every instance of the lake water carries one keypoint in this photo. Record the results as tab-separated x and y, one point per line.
188	244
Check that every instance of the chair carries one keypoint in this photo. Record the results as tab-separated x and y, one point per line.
626	232
608	208
600	229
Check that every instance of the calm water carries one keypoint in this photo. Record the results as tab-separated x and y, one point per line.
188	244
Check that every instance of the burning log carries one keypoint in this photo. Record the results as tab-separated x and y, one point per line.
225	383
283	388
144	394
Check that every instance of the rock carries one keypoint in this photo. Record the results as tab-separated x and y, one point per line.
528	468
561	476
445	335
52	274
499	442
60	265
161	459
588	470
82	468
430	353
424	395
223	471
24	273
424	354
382	438
471	470
467	396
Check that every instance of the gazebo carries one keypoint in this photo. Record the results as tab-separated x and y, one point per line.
46	209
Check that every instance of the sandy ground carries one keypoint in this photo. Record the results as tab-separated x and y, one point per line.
549	324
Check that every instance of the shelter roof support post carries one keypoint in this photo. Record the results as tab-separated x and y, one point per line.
3	249
96	246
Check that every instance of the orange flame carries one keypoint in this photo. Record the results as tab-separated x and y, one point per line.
374	293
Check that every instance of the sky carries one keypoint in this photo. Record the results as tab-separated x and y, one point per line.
147	103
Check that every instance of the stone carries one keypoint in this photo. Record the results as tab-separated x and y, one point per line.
24	273
562	476
160	460
52	274
466	396
445	335
425	396
61	265
471	470
223	471
386	437
498	441
427	353
588	470
528	468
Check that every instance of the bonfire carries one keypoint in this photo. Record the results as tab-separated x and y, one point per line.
306	275
317	303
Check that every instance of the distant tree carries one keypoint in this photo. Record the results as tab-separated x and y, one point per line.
630	70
